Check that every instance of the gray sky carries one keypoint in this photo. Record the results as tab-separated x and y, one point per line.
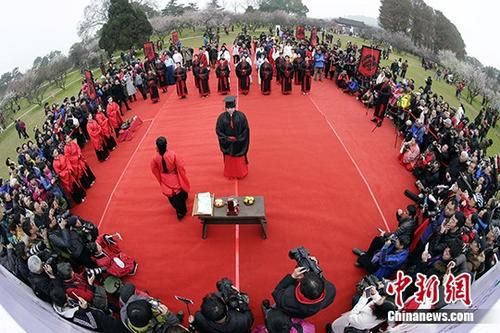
47	25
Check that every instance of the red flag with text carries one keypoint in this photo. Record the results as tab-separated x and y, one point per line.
299	32
175	37
368	62
149	50
90	85
314	36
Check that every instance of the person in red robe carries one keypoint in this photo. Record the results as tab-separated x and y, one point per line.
169	170
307	69
266	76
106	129
243	72
233	134
97	139
109	257
81	168
65	173
115	118
180	80
203	75
287	76
222	72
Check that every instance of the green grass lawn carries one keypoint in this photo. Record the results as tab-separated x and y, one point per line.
9	139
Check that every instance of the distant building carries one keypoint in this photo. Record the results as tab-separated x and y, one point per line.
349	26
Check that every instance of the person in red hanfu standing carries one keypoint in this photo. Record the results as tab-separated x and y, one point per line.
66	176
82	171
169	170
115	118
97	139
106	129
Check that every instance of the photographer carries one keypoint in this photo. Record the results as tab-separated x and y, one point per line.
303	293
392	256
41	278
143	314
370	311
69	242
224	312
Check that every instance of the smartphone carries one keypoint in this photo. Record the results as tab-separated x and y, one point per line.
368	292
426	247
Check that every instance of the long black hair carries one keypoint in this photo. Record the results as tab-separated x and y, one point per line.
161	144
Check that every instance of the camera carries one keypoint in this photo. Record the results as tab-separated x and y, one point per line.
233	298
371	281
301	256
36	249
94	271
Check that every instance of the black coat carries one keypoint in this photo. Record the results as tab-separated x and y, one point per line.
236	322
241	131
284	296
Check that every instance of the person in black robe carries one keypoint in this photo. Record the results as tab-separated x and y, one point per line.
196	71
203	75
161	74
233	133
180	80
297	66
287	76
279	63
384	91
266	76
307	69
213	53
222	72
153	87
243	72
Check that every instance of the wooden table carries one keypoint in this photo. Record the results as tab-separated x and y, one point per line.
254	214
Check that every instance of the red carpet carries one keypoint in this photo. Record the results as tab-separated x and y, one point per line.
315	187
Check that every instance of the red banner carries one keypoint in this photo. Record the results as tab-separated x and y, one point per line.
149	50
299	32
175	37
314	36
368	62
90	85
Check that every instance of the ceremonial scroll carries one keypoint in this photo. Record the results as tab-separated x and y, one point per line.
314	36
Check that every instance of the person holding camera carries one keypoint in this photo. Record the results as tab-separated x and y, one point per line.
143	314
224	312
82	285
392	255
303	293
369	312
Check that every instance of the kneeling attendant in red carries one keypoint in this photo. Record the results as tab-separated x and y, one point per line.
234	139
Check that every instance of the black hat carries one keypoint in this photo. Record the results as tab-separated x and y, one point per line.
139	313
230	101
